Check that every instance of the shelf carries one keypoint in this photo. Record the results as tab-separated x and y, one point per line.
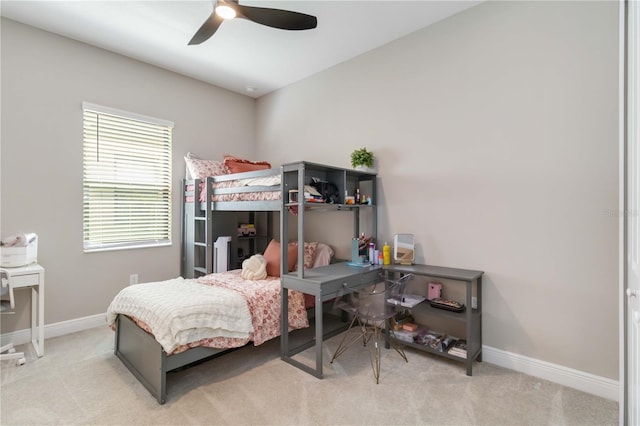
327	206
426	308
434	351
470	318
437	272
426	349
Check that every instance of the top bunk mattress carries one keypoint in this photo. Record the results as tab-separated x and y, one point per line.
263	185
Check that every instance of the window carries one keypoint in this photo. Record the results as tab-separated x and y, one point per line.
126	179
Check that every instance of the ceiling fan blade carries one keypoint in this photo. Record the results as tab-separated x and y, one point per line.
277	18
208	28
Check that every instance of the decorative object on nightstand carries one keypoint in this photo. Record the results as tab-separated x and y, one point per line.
362	159
18	250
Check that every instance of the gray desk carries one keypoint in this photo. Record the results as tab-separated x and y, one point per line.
324	284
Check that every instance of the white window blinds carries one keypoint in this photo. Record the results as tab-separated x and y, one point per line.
126	179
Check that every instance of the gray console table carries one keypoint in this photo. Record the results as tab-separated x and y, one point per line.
471	317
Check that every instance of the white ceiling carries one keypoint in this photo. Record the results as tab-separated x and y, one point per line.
241	53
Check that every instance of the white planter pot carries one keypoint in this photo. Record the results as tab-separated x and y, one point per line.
365	169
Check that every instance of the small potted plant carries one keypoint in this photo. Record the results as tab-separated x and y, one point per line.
361	159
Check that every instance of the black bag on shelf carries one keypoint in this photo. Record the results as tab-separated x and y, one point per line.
446	304
328	190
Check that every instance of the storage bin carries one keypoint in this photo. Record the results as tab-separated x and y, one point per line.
12	257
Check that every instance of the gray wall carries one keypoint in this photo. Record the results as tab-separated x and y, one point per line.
495	133
45	78
496	136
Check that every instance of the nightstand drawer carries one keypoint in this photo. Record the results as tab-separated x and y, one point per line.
25	280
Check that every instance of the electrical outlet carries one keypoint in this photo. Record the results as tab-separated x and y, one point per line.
474	302
133	279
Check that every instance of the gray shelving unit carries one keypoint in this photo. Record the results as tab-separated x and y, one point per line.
323	283
296	175
471	318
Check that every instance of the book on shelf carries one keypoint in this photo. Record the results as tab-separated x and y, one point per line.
458	354
459	348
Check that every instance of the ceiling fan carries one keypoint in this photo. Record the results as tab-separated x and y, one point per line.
275	18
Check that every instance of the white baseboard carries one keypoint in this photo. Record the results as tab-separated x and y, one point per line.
586	382
21	337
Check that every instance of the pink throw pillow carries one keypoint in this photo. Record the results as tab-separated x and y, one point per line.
272	256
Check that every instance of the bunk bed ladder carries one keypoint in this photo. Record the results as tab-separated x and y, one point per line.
202	231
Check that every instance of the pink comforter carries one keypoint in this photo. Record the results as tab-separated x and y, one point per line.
263	300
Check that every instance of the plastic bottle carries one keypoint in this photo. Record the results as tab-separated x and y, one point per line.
357	195
372	249
386	254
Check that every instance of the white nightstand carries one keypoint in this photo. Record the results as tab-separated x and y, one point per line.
32	276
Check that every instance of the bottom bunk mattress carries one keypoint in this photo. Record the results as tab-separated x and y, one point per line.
220	310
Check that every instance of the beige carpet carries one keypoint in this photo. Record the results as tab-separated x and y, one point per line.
80	382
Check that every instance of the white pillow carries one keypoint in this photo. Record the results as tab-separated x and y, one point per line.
323	255
187	174
200	169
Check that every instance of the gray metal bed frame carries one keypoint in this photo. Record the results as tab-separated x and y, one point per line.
148	362
138	350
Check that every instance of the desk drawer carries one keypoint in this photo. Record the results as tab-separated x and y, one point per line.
25	280
333	288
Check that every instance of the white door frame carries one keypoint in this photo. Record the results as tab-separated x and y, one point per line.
629	266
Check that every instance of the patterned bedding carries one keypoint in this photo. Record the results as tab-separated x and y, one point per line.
263	302
241	196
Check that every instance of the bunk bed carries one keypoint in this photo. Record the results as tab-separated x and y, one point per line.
206	201
150	357
208	207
